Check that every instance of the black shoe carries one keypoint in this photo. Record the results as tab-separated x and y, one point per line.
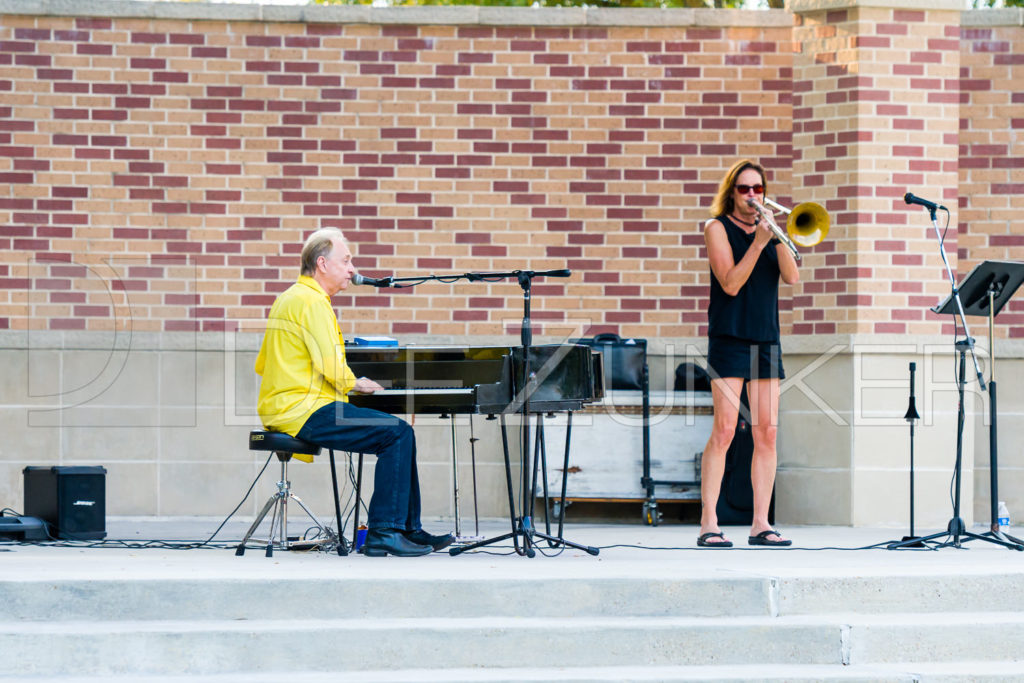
381	542
436	542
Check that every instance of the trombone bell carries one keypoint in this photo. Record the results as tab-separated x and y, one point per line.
807	224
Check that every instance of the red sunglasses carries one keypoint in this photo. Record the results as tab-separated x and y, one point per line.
758	189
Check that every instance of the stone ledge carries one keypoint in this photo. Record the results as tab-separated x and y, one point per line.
1009	16
485	16
426	15
805	6
865	344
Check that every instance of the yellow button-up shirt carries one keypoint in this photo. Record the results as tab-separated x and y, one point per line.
302	358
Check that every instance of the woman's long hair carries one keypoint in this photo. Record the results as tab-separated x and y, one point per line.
724	203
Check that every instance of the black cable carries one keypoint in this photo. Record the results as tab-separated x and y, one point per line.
884	545
135	544
448	279
241	502
876	546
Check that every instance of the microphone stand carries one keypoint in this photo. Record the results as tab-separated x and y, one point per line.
522	526
911	416
523	531
956	529
955	296
406	282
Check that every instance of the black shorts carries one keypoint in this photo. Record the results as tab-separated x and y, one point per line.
732	357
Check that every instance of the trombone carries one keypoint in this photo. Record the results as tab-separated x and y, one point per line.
807	224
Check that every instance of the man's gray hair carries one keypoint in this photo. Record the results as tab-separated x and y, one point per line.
320	243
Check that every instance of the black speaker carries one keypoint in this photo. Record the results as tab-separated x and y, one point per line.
71	499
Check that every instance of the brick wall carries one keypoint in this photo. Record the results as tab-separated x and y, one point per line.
875	115
167	171
992	148
160	174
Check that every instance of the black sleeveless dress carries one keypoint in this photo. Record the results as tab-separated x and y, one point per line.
743	330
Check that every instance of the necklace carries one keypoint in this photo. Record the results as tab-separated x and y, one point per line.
740	220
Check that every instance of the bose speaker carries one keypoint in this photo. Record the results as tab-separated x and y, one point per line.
71	499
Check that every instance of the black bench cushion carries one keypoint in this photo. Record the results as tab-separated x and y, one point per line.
279	442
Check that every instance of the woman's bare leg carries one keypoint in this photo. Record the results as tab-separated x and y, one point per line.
725	394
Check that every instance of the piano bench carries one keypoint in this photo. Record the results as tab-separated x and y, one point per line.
284	447
281	443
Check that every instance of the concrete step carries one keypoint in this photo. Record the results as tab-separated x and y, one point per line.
390	597
946	672
243	646
226	599
155	647
879	593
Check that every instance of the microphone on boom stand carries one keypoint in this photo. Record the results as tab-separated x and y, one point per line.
359	279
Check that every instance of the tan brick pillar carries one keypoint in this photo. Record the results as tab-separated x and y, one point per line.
875	115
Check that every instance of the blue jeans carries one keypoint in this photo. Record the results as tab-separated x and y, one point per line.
395	503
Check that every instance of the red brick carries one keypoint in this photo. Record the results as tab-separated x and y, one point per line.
908	16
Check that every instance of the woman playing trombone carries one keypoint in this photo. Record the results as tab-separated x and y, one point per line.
746	261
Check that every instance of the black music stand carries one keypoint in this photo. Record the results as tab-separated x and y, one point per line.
984	292
523	530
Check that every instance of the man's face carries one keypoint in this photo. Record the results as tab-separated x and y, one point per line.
336	269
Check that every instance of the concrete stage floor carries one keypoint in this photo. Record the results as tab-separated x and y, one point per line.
627	550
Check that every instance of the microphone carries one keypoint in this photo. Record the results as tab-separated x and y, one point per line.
931	206
564	272
912	407
358	279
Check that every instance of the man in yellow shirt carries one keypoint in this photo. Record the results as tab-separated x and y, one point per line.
304	393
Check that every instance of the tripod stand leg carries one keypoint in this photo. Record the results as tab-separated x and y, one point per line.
565	474
514	533
916	542
554	542
999	538
331	537
473	546
240	550
337	507
523	534
278	501
1012	541
540	458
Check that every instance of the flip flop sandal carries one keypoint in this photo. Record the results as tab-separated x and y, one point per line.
702	540
762	539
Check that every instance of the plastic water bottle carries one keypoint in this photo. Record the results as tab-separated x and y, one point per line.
1004	518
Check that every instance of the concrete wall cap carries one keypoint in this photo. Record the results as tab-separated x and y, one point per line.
423	15
1008	16
490	16
640	17
805	6
731	17
676	347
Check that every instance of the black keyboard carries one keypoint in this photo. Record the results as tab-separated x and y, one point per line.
489	380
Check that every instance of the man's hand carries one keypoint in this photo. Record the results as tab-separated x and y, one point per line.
365	385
